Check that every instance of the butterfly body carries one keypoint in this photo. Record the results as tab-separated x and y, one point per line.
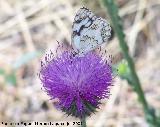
89	31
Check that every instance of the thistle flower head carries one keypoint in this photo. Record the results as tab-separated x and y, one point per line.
79	83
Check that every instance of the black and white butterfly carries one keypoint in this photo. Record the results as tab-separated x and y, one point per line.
89	31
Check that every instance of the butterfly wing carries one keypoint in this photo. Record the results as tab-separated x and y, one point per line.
89	31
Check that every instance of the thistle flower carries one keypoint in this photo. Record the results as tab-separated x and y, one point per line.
79	83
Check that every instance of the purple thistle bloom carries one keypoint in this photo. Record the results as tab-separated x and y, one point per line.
79	83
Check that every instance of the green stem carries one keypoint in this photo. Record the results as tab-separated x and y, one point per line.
117	25
83	120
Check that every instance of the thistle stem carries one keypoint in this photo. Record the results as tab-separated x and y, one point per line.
117	25
83	121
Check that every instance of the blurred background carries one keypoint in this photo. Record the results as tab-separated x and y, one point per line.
29	27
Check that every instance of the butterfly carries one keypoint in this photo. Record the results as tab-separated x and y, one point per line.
88	31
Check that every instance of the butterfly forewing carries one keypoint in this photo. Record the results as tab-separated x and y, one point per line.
89	31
